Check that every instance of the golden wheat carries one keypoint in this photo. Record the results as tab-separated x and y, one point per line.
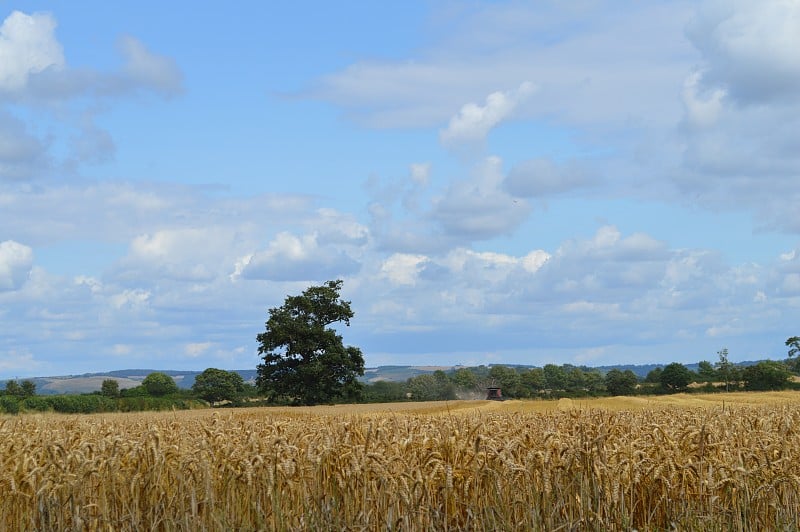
472	466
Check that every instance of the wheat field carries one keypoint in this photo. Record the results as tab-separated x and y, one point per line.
683	462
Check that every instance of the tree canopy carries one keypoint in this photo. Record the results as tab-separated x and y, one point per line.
305	360
109	388
26	389
158	384
675	377
215	385
766	375
793	344
621	382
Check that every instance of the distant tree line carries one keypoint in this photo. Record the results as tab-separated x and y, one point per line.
216	387
158	391
554	381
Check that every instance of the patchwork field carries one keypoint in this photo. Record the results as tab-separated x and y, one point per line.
710	462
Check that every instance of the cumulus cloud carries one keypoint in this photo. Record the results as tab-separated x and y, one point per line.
702	110
741	111
403	268
491	267
292	258
131	299
473	122
750	47
34	75
478	208
27	46
16	261
185	254
617	289
334	227
607	268
33	68
541	177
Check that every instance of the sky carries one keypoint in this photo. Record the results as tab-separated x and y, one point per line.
567	182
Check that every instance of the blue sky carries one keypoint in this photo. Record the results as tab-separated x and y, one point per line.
495	182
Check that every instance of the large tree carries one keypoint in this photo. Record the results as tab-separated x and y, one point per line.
621	382
26	389
109	388
305	360
215	385
158	384
766	375
675	377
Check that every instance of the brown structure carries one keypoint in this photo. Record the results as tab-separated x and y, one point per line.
494	394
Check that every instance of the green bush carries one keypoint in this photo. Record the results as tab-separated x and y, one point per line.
9	404
35	404
81	404
140	404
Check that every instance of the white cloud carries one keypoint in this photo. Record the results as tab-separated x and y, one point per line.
239	266
133	299
420	173
197	349
750	47
608	244
94	285
27	46
16	262
292	258
14	361
334	227
147	69
121	349
741	111
542	177
535	260
115	211
563	50
403	268
188	254
701	109
473	122
478	208
607	310
63	101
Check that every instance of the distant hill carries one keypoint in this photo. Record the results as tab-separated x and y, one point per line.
130	378
127	378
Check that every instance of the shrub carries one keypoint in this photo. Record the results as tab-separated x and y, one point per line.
9	404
